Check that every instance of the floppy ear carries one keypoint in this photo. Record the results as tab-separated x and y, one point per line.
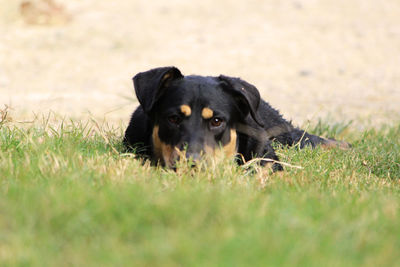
149	84
247	96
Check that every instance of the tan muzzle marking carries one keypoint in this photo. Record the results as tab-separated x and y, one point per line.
230	148
162	152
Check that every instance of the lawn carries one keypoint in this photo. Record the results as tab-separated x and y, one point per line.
69	196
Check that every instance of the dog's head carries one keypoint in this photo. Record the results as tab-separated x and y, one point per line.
194	114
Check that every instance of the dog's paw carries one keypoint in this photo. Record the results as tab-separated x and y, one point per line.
332	143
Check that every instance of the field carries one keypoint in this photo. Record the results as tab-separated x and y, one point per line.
70	197
311	59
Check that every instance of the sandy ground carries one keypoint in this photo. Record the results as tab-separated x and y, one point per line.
310	59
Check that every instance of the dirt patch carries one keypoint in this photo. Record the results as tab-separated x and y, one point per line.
308	58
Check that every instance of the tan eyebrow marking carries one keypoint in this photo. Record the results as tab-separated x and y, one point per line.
186	110
207	113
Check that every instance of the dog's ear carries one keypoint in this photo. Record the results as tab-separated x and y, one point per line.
246	95
149	84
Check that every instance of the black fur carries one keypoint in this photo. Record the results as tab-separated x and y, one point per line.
162	91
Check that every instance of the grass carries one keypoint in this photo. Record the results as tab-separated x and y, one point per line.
68	197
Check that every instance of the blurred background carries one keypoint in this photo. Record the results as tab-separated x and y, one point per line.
335	59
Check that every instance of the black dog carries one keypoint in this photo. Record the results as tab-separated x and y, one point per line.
203	115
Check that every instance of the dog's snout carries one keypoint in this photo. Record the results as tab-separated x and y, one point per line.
193	156
193	146
193	151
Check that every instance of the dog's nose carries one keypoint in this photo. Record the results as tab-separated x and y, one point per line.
194	156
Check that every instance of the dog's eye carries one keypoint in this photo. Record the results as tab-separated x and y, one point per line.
174	119
216	122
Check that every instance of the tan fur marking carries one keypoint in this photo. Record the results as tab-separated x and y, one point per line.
335	144
162	152
207	113
208	150
166	76
230	148
186	110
